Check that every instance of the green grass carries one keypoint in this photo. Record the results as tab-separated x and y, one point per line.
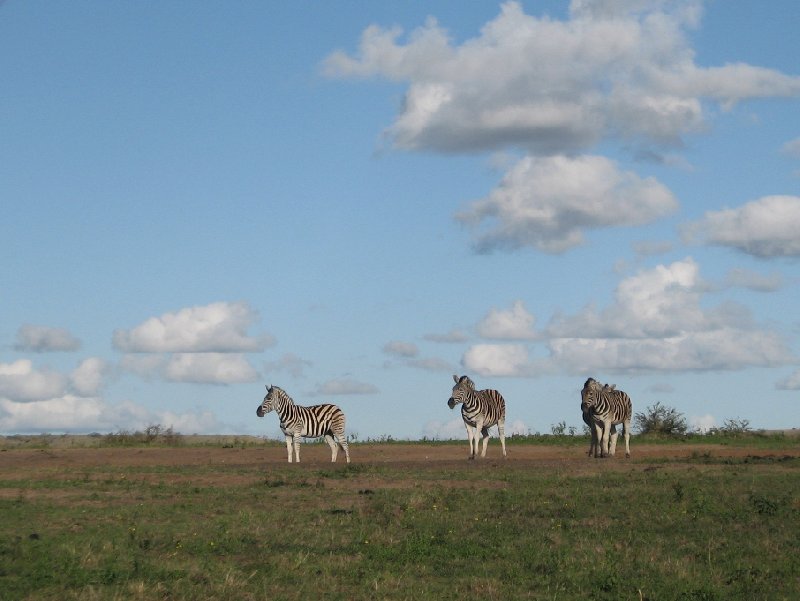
702	528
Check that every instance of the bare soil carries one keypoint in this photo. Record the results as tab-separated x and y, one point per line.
30	464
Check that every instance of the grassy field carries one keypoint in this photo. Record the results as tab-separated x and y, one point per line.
716	520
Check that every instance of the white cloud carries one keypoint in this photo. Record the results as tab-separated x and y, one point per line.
196	368
20	381
70	413
702	423
547	203
720	349
765	228
87	378
497	360
553	86
209	368
658	322
514	324
398	348
216	328
450	430
41	339
345	387
659	302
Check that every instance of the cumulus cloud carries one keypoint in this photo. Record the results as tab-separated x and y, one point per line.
552	86
659	302
515	323
88	378
195	368
216	328
345	387
497	360
702	423
20	381
548	202
765	228
42	339
209	368
657	322
76	414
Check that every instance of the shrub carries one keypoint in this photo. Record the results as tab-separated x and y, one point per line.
660	419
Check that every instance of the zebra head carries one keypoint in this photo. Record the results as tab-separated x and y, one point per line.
589	393
464	386
266	405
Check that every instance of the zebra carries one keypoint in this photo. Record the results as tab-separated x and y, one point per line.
307	422
593	428
480	411
605	407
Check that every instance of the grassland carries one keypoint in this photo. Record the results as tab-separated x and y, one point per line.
701	520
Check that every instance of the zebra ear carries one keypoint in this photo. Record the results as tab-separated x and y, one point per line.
455	378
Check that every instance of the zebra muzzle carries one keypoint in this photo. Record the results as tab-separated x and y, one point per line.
451	403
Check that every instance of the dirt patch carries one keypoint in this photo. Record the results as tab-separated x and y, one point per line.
27	463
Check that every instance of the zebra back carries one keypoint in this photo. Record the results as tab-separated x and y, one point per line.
605	403
312	421
488	404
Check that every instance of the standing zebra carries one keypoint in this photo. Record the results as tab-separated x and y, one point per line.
480	410
306	422
593	428
605	407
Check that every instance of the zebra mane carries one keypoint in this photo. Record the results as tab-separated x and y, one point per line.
281	393
464	381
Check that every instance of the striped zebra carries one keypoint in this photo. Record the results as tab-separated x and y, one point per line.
587	419
605	407
306	422
480	410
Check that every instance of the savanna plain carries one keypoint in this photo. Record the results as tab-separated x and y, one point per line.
174	517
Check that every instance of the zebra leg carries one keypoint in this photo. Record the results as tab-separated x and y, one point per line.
342	440
472	434
627	433
297	448
597	439
334	447
604	443
612	445
289	446
501	428
485	437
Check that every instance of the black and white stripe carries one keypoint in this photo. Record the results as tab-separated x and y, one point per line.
306	422
480	410
603	407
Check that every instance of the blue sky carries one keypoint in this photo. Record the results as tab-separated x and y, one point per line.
357	200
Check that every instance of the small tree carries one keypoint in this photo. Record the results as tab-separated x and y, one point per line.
736	426
660	419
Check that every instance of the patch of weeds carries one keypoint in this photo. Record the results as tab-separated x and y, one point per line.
763	504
